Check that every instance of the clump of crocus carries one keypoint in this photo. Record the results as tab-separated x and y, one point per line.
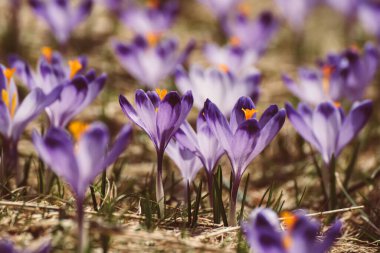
7	246
61	17
296	11
329	130
16	114
204	145
159	114
264	233
214	83
79	86
252	34
151	21
243	137
150	59
79	158
369	15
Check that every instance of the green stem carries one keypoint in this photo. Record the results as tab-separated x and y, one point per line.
160	197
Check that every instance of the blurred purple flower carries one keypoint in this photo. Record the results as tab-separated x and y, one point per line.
244	137
235	58
264	234
326	127
214	84
159	114
61	17
203	144
221	8
150	61
296	11
152	20
7	246
116	6
79	87
346	7
252	34
369	15
80	162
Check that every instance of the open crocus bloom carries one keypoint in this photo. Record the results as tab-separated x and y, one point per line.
326	127
151	60
61	17
233	57
346	7
203	144
221	8
152	20
214	84
79	87
316	86
244	137
265	235
159	114
295	11
7	246
15	115
253	34
369	15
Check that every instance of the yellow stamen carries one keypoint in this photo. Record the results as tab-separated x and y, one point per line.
5	97
75	66
337	104
153	4
327	71
287	241
289	219
152	39
244	9
47	52
248	113
77	129
8	73
234	41
13	106
224	68
161	93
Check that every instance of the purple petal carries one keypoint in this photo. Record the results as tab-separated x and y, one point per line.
237	115
5	120
121	142
147	114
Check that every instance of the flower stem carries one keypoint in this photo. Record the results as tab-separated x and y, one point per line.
233	198
160	197
210	180
80	220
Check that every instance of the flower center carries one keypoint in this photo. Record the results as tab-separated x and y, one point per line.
153	4
8	73
224	68
77	129
47	52
289	219
244	9
152	38
234	41
161	93
287	241
75	66
9	102
355	48
327	70
337	104
248	113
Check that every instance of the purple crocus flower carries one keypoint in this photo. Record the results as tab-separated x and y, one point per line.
295	11
221	8
7	246
326	127
152	20
253	34
214	84
150	61
159	114
61	17
79	87
264	234
79	162
232	57
369	15
347	7
203	144
244	137
15	115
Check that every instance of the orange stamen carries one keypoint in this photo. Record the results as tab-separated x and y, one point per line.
287	241
75	66
152	39
289	219
327	71
224	68
153	4
5	97
244	9
8	73
47	52
337	104
234	41
355	48
249	113
77	129
161	93
11	106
